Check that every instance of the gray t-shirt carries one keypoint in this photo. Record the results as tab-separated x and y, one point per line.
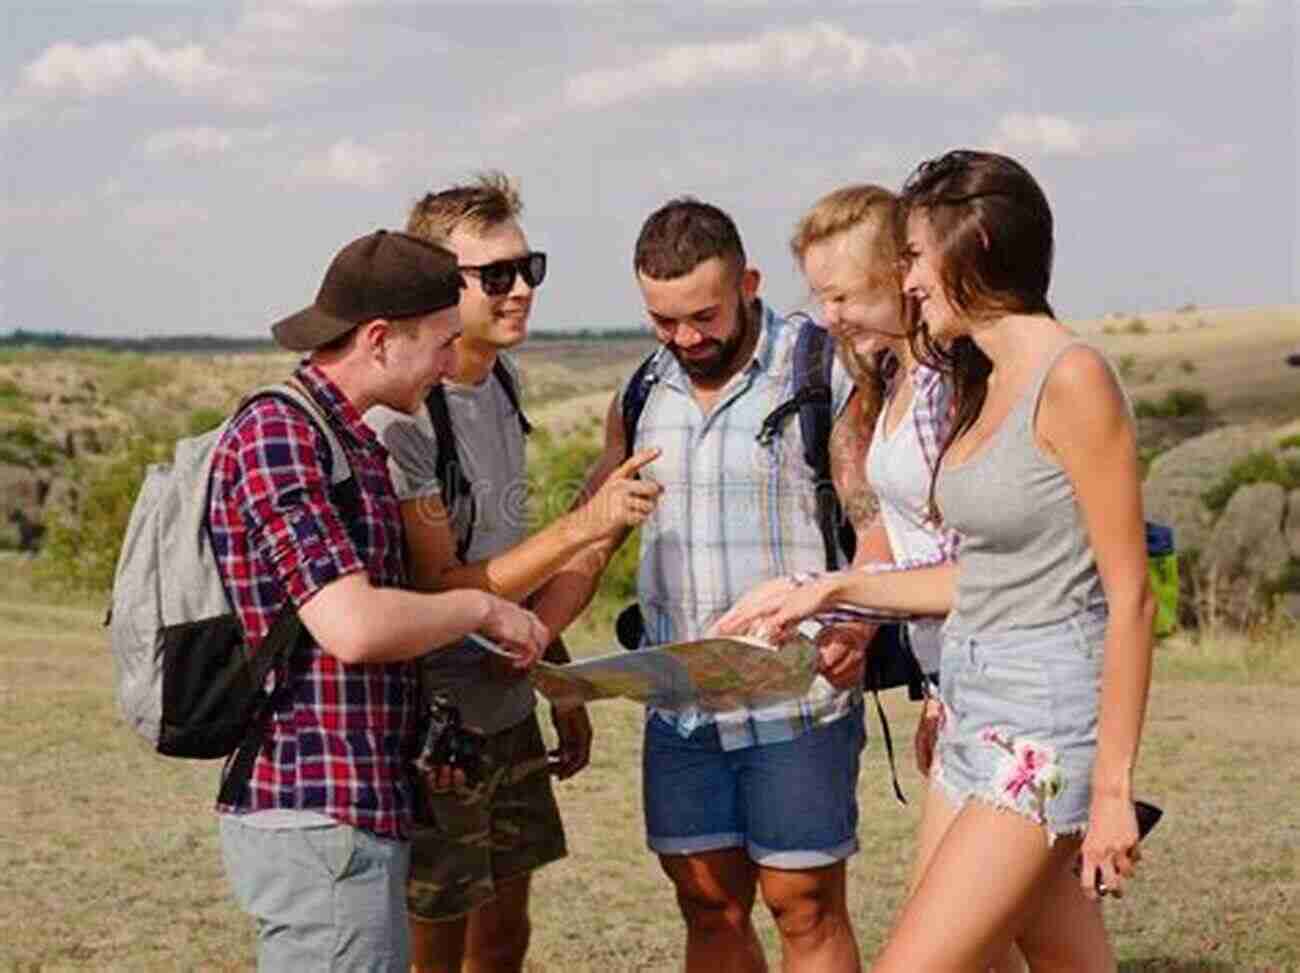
490	447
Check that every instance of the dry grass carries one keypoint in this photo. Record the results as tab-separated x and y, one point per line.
112	863
1236	356
110	852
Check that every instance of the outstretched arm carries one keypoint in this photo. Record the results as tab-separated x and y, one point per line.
357	622
622	502
570	590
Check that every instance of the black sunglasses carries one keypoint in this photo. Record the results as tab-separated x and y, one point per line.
499	276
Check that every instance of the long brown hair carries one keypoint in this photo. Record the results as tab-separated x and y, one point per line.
875	213
993	227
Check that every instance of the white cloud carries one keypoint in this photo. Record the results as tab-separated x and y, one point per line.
199	141
1220	157
346	163
106	68
164	214
272	47
998	6
819	55
1216	37
1055	135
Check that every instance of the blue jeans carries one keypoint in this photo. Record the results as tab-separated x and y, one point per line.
790	805
331	897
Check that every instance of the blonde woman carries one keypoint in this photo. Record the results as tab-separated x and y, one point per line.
1046	655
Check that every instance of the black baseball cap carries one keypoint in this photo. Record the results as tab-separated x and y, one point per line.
385	274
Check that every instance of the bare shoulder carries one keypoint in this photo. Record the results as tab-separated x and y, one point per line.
1083	407
1082	378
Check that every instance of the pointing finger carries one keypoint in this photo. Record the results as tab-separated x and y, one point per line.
633	463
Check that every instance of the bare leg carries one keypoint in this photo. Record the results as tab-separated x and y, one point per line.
715	890
1064	930
437	947
812	914
937	815
975	895
499	930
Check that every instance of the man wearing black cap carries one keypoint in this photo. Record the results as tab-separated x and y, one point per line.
316	846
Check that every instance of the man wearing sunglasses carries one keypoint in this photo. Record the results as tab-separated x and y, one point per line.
467	896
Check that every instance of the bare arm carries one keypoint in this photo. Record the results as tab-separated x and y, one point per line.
516	573
842	647
357	622
1084	423
569	592
850	440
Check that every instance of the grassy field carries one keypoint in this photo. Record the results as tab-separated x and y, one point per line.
109	852
111	861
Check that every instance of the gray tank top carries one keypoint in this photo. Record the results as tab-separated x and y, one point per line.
1025	558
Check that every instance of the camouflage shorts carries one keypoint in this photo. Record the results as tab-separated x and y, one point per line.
504	826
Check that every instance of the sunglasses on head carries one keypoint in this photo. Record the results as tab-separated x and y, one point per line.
498	277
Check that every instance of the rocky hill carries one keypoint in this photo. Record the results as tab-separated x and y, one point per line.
1216	400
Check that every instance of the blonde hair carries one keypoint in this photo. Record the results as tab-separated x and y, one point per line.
869	218
490	200
870	213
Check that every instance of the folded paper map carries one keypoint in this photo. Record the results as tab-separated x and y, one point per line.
711	674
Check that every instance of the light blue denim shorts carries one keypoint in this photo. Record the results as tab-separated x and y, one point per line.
1019	726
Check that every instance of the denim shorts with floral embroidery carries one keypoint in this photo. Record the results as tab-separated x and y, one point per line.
1019	725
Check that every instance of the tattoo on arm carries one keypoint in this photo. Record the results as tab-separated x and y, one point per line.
850	439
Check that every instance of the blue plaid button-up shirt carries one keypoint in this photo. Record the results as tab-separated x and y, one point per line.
734	513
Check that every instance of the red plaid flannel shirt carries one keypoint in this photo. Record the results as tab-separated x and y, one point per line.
341	735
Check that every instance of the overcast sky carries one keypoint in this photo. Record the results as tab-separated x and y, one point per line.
192	167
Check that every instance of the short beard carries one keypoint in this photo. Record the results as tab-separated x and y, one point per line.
723	364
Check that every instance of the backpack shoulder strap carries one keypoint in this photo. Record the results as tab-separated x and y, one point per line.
294	393
447	467
503	376
812	361
635	396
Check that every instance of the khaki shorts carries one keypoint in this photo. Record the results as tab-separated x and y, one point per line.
505	826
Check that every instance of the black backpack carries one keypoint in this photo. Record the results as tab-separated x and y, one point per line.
890	662
456	488
811	401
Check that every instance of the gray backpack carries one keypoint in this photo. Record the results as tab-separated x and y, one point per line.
184	679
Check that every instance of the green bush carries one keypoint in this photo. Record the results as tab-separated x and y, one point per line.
24	445
12	397
1290	442
1288	581
1258	467
1178	403
81	545
556	473
204	420
123	374
1136	326
1127	365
